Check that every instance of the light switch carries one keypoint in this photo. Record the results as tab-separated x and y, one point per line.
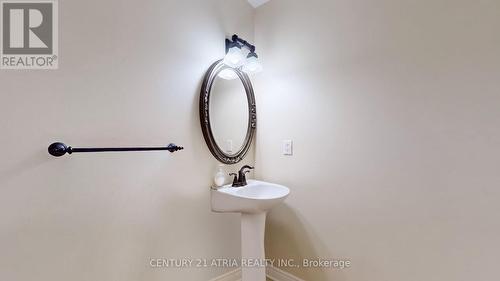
229	146
287	147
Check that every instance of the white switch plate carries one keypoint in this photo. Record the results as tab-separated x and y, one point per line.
287	147
229	146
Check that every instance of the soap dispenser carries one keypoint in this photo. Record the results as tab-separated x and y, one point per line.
220	176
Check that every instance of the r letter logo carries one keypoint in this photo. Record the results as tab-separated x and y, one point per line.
29	35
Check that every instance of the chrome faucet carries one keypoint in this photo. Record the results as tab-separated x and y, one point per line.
240	178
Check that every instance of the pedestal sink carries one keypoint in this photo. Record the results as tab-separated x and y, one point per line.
252	201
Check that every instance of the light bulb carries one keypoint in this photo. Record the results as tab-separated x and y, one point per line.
252	65
227	74
234	57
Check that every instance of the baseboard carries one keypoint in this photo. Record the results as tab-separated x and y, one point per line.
277	274
272	273
234	275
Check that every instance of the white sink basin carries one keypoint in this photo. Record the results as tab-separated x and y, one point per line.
252	201
255	197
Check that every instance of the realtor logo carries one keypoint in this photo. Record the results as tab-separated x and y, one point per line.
29	35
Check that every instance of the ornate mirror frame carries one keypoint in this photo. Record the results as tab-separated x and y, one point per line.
206	127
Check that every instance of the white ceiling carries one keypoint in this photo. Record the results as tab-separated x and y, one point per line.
257	3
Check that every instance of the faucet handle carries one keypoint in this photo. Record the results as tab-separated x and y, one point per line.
235	179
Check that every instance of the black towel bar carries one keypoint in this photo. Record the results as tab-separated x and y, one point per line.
59	149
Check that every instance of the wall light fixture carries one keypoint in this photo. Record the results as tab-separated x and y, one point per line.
240	54
252	64
234	54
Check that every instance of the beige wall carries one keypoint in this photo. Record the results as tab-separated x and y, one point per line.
394	109
129	74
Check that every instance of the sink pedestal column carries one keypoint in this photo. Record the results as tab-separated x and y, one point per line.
252	246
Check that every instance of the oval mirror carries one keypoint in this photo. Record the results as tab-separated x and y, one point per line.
227	112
